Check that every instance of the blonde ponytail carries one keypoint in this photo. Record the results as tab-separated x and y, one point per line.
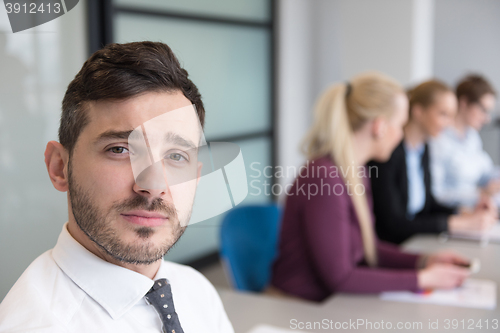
336	117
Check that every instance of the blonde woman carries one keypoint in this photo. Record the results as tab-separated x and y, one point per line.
327	240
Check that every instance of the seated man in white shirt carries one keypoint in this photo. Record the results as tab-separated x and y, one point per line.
462	172
106	272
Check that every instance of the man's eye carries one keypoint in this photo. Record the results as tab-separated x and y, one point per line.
118	150
176	157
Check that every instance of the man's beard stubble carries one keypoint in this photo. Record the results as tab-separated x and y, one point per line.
96	225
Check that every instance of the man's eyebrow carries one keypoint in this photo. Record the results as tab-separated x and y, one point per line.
179	140
108	135
125	135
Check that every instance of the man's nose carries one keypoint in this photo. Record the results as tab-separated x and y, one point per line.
152	182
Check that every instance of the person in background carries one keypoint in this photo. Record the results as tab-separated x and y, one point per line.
403	202
461	170
327	240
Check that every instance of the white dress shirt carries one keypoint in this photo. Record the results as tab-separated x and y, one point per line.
459	166
416	182
69	289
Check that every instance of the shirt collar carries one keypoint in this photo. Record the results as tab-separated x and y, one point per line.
115	288
419	150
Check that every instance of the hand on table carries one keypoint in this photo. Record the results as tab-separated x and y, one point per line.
479	220
442	276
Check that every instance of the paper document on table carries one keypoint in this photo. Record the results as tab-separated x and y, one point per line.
474	293
492	235
263	328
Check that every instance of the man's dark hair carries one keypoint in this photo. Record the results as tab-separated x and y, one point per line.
473	87
120	71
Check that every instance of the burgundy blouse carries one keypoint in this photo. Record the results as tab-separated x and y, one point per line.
320	247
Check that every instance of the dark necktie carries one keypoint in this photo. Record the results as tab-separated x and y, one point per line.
160	296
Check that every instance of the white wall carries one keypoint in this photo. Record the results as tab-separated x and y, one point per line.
295	64
376	35
467	40
353	36
36	66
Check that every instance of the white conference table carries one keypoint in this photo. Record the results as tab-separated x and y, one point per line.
247	310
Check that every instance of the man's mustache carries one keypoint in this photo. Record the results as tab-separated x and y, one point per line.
143	203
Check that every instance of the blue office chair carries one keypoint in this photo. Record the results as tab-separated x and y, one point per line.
249	240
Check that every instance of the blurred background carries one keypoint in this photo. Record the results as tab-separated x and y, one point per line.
259	65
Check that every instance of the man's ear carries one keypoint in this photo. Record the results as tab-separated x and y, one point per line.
56	160
379	127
